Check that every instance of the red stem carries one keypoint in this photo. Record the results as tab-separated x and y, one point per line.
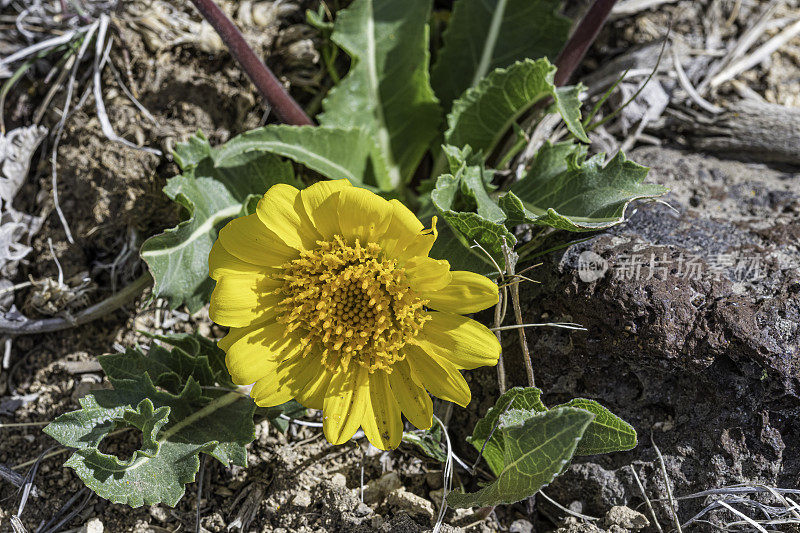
287	109
581	39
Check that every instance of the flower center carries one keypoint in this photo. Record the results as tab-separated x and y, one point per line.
353	304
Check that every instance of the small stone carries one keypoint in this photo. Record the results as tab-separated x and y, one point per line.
92	526
625	517
434	480
159	513
302	499
363	509
411	503
520	526
576	506
580	527
377	489
339	480
436	496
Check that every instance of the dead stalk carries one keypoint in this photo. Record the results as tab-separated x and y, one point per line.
287	109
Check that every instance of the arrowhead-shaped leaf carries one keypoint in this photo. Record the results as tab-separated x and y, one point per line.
522	399
533	453
335	153
585	196
212	190
485	112
387	91
178	420
607	433
483	35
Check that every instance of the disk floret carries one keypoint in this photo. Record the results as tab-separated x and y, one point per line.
353	304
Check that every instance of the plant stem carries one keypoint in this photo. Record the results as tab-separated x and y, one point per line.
581	39
526	356
98	310
287	109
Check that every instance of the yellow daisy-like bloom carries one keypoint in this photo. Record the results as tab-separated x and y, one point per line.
332	300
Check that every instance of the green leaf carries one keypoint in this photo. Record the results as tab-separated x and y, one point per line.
468	227
586	196
463	202
485	112
429	441
177	424
607	433
487	34
457	251
519	399
204	351
387	91
335	153
533	453
212	190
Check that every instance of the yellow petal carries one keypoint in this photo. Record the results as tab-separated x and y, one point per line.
458	340
363	215
248	239
221	261
382	422
467	292
440	377
320	202
403	229
345	402
421	245
426	274
291	376
412	398
255	351
240	300
313	394
282	212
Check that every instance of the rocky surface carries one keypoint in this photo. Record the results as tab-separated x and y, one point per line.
693	317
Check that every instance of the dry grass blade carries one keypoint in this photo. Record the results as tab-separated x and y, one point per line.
646	499
105	123
757	56
447	474
746	518
771	515
566	510
63	516
686	84
667	485
744	43
41	45
626	8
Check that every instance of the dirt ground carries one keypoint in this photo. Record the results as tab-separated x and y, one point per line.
111	197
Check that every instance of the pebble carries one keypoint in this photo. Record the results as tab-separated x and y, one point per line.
377	489
339	480
411	503
92	526
302	499
625	517
159	513
520	526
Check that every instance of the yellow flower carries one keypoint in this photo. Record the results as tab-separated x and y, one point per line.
332	300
